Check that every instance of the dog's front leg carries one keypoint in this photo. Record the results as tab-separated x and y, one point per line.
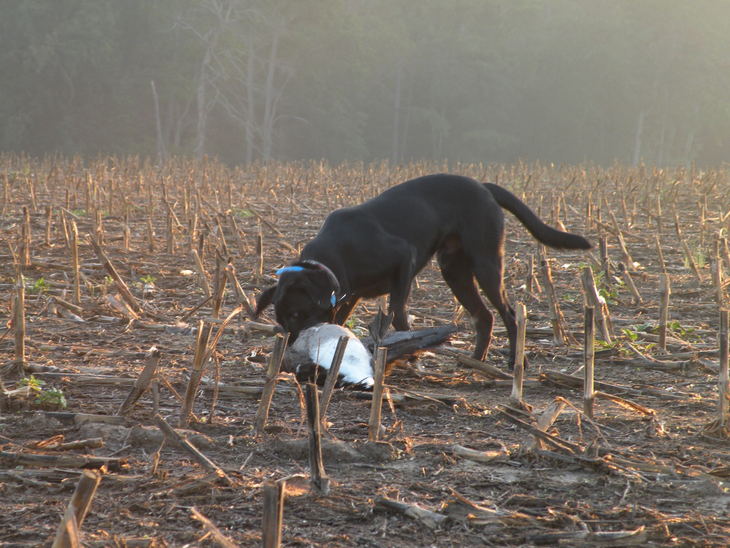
398	299
344	309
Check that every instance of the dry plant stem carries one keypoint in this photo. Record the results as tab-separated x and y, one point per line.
621	242
377	401
75	261
725	251
6	193
199	361
260	252
717	278
660	254
685	248
64	229
556	316
588	362
240	295
150	235
519	366
605	261
67	534
724	378
272	373
169	234
202	274
273	513
78	507
218	537
430	519
152	360
11	459
99	228
332	373
186	445
25	237
546	419
555	441
121	286
484	368
19	322
666	291
629	281
220	287
319	479
594	299
49	224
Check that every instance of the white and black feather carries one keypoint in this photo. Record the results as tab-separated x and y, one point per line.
311	354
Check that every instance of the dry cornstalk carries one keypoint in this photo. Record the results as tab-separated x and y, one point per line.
717	278
724	378
332	374
685	248
272	374
183	443
621	242
75	261
660	253
273	513
484	368
377	400
218	537
545	420
319	479
49	224
430	519
629	281
556	316
150	235
121	286
220	287
666	291
592	298
202	274
152	360
605	260
240	294
500	454
518	371
199	361
588	361
260	252
77	509
25	239
19	322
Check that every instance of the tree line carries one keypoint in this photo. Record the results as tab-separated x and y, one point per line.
563	81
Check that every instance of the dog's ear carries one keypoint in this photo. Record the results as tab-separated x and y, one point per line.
264	300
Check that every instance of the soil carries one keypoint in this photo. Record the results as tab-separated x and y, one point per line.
648	469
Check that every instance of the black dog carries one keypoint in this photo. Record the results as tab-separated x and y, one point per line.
378	247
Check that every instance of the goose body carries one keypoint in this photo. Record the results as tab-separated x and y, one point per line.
310	356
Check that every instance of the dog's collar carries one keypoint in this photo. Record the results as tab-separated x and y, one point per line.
312	264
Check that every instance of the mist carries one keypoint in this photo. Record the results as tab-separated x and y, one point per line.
564	81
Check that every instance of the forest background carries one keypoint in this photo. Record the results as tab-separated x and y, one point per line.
564	81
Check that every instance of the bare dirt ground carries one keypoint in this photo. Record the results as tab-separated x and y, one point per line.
651	474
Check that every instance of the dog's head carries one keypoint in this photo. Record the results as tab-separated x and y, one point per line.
305	295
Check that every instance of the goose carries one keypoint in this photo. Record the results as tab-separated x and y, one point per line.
310	356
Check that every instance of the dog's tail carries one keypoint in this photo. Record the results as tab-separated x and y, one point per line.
542	232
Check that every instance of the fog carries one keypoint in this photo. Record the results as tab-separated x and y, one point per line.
563	81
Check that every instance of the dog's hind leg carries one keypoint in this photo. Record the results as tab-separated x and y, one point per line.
456	269
489	275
